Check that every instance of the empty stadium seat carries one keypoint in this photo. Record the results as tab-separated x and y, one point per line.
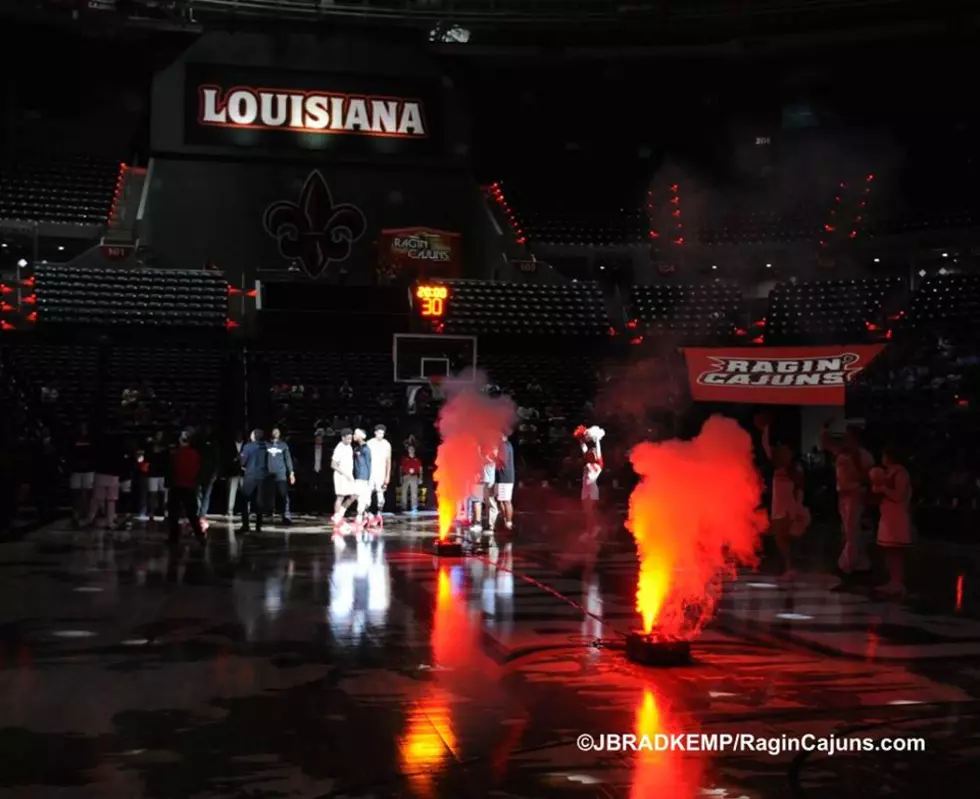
154	297
946	302
185	382
833	311
481	307
573	214
321	374
708	313
66	189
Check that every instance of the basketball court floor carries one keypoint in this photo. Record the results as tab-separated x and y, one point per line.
300	664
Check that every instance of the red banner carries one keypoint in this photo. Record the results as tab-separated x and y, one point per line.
419	253
776	375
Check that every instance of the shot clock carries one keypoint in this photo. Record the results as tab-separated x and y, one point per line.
431	300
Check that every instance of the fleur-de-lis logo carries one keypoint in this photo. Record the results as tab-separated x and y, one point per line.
314	231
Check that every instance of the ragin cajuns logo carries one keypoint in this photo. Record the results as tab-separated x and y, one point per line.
314	231
835	370
423	246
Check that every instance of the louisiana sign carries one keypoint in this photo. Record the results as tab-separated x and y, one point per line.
776	375
282	110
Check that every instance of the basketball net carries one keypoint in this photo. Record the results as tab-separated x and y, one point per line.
437	387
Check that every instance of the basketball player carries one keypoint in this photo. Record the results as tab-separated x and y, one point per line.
342	463
362	474
505	477
380	450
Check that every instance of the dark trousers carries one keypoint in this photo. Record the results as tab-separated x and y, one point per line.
319	493
278	492
252	501
183	502
204	494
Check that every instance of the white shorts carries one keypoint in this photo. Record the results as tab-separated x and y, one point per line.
125	486
156	485
106	488
81	480
480	492
343	487
505	491
377	482
362	488
590	490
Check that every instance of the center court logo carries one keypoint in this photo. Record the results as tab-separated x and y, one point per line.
314	231
743	743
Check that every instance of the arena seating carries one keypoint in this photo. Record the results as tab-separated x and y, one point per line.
736	224
945	302
708	313
65	189
833	311
62	379
177	385
558	381
158	297
481	307
579	213
321	375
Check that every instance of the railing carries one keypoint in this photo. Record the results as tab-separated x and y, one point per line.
516	11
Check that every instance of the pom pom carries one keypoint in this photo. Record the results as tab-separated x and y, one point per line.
596	433
580	432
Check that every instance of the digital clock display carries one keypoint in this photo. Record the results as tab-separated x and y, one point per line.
432	300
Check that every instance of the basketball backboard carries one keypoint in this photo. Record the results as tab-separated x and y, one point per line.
417	358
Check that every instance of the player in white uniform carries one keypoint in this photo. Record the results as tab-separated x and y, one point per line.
380	449
342	463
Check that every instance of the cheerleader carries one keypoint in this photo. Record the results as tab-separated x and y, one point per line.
589	439
892	486
789	517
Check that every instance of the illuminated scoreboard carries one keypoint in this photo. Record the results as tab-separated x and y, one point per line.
431	300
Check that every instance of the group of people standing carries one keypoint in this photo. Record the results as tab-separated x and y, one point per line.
493	489
861	485
158	480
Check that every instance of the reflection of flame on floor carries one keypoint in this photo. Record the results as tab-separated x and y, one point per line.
661	773
429	741
428	744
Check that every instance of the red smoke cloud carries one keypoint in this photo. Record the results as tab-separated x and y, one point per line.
695	516
470	424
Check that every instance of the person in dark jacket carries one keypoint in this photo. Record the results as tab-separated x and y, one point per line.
233	470
82	473
362	473
255	468
185	476
207	446
281	472
158	460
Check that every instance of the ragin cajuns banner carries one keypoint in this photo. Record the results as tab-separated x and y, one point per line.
420	252
776	375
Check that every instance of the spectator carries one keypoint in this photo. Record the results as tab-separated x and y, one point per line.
185	476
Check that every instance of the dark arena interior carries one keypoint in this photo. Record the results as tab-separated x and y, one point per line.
489	398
